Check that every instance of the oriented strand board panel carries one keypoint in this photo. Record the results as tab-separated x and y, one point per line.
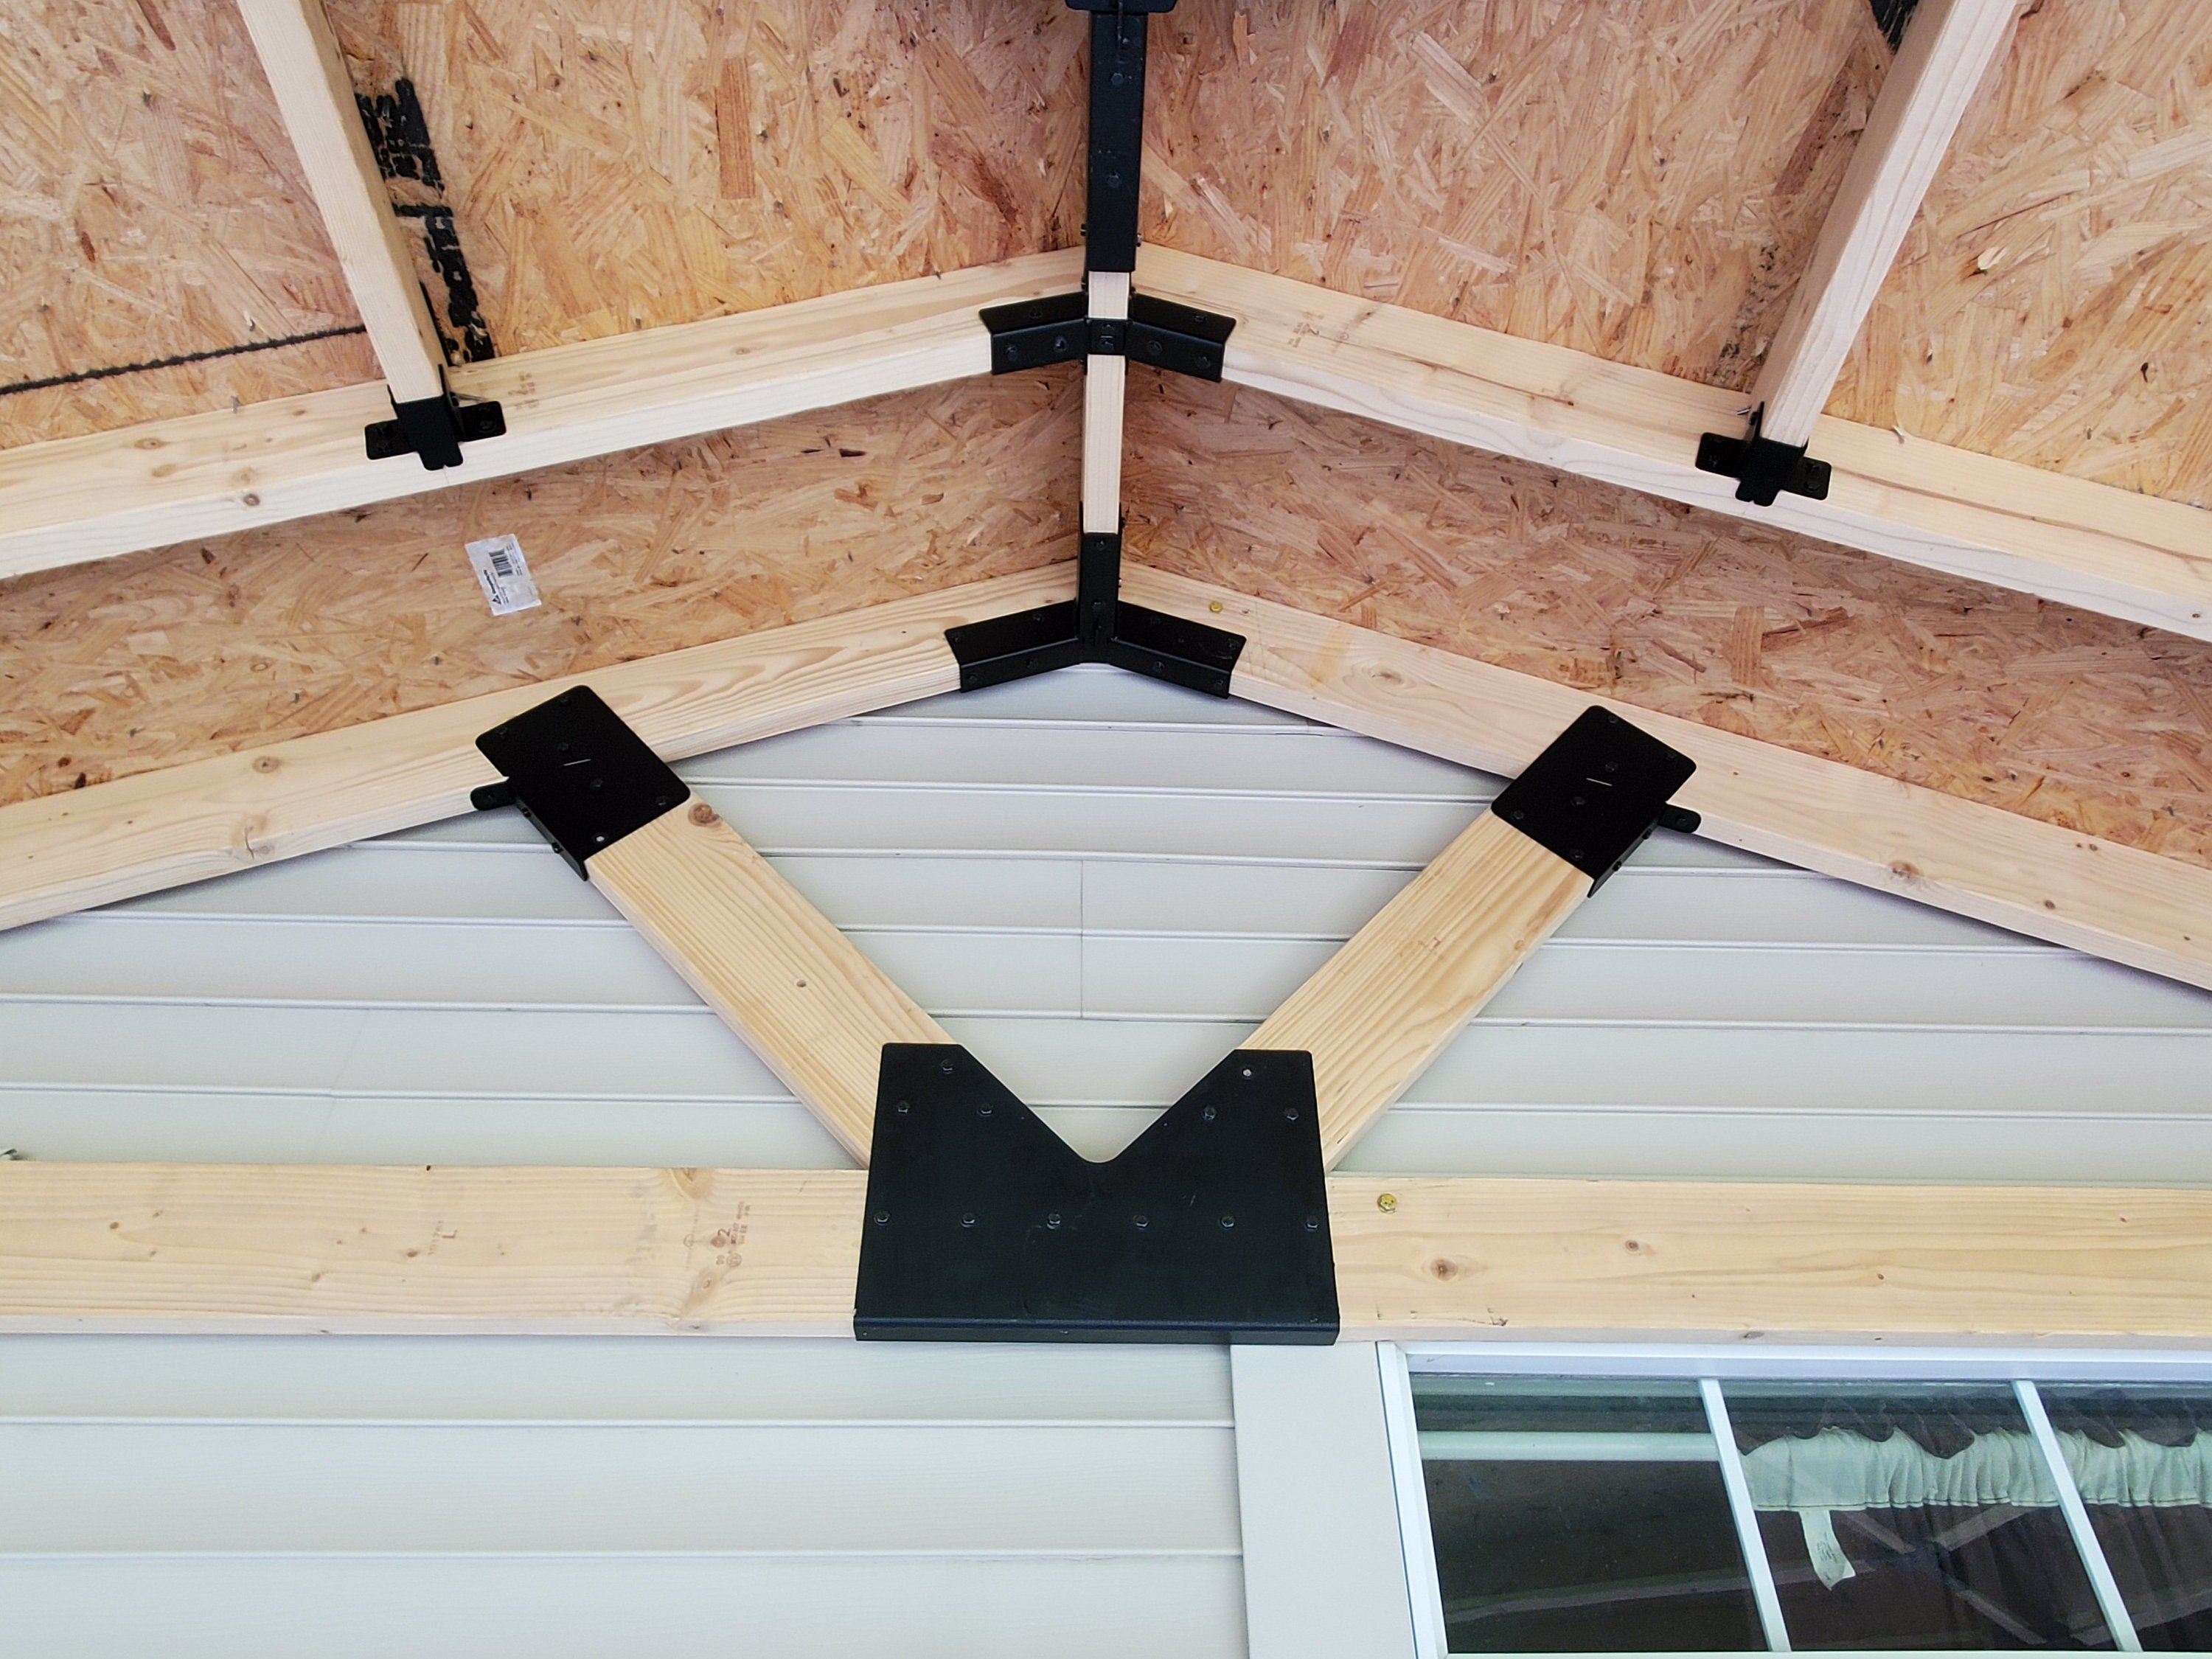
202	649
1643	181
2071	717
153	209
612	165
2053	304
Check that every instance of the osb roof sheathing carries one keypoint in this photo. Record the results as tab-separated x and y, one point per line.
2077	720
170	655
1639	180
2053	304
154	209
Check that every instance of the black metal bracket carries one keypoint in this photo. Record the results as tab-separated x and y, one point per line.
1095	627
1597	790
433	429
1031	333
581	775
1763	468
1117	130
983	1224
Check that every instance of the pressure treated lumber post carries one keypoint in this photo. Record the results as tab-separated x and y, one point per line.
1375	1013
1948	46
801	993
315	95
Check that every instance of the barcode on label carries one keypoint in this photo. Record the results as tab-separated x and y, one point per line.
504	575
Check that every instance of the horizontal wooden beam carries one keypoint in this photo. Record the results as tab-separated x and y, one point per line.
2034	877
109	493
177	1247
2067	539
63	852
1948	47
308	73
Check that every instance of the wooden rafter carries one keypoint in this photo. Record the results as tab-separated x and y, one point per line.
308	73
1948	47
177	1247
2080	543
64	851
2036	879
80	499
183	824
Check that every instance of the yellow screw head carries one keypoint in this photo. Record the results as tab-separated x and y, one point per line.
1386	1201
1215	606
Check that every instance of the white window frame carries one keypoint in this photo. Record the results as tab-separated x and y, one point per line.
2022	1368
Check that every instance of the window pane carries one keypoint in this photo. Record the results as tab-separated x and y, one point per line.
2143	1457
1574	1517
1911	1515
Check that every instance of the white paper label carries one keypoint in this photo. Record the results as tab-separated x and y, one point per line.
1829	1565
504	573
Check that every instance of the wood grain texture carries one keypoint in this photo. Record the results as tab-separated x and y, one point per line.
2039	879
1964	514
2051	300
613	167
1104	388
1521	1261
156	211
300	56
1641	183
270	1247
1386	1004
798	991
2077	720
1948	47
278	799
178	655
172	1248
105	493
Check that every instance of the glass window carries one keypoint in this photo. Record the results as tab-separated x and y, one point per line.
2141	1458
1911	1515
1572	1515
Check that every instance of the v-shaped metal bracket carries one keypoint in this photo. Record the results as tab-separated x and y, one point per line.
982	1223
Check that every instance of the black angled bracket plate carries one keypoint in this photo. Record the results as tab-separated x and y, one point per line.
1763	468
433	429
1095	627
983	1224
1032	333
581	775
1597	790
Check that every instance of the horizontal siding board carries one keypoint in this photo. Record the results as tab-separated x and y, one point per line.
566	1607
540	1488
1020	973
577	1379
2092	1146
1142	759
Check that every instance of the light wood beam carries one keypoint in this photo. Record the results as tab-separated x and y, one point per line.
109	493
315	96
2066	539
1104	378
1948	47
185	1248
64	851
799	993
1375	1013
2037	879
